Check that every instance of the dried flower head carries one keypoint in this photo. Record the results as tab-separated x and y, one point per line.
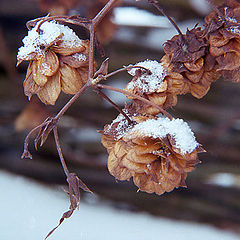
157	152
187	56
152	82
223	35
58	61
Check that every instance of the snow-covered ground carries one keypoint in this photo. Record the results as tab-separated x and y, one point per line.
29	210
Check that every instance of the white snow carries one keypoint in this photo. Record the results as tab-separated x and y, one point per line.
132	16
80	57
225	180
122	127
34	42
159	128
30	210
148	83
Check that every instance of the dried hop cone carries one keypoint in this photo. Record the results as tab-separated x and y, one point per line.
151	81
188	59
58	61
223	35
156	152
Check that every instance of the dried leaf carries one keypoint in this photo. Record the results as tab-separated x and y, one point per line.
103	70
74	184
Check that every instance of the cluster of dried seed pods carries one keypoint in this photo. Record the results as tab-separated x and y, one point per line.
155	150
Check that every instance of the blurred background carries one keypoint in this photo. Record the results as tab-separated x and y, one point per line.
133	32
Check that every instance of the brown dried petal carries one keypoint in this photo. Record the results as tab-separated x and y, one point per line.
71	80
217	39
199	90
132	166
194	66
195	77
119	172
74	61
30	86
50	92
64	50
143	181
134	156
108	142
229	61
39	78
177	84
171	101
48	64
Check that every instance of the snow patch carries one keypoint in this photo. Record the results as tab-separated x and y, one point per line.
160	128
80	57
36	41
148	83
30	210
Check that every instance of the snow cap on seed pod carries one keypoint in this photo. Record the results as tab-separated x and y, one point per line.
152	81
223	34
58	61
156	151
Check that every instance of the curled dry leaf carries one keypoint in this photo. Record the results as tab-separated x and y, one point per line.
74	186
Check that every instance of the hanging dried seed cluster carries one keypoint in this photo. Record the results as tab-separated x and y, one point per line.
148	149
223	36
58	61
156	151
188	57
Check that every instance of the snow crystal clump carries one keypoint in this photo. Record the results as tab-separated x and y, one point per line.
148	83
120	125
160	128
38	39
80	57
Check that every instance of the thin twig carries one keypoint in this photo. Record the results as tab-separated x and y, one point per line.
114	104
98	18
125	69
136	97
155	4
59	149
71	101
27	139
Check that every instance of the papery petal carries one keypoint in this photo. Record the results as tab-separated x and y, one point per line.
229	61
64	50
30	86
51	90
48	64
39	78
71	80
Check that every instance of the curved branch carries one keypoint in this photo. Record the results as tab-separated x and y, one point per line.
136	97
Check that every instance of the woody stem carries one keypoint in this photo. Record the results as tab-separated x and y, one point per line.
135	97
103	95
125	69
155	4
71	101
59	149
